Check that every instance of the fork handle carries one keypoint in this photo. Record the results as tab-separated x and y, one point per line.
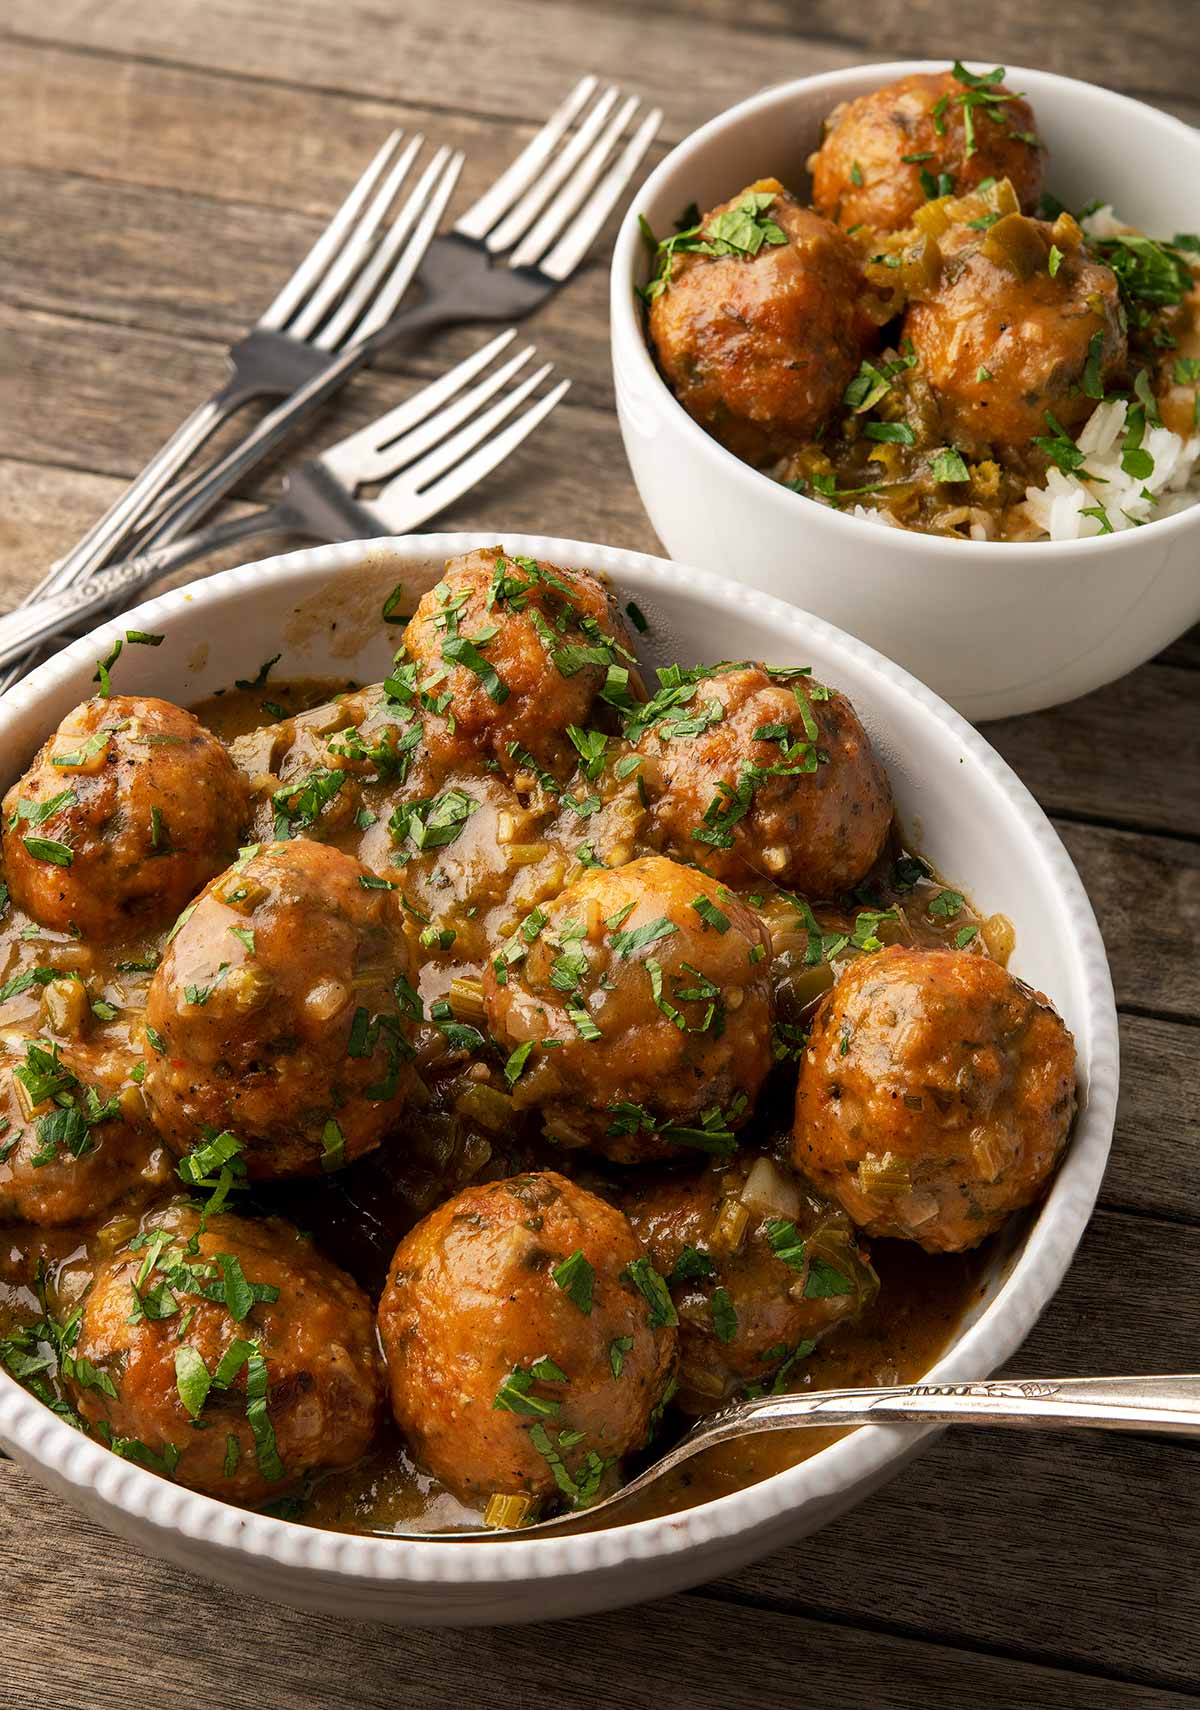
28	625
125	514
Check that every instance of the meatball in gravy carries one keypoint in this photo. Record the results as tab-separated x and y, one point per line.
226	1351
751	778
759	1267
935	1095
637	1008
283	1010
529	1343
883	154
508	653
1016	327
759	344
127	810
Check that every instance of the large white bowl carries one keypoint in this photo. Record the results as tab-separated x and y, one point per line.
974	820
994	627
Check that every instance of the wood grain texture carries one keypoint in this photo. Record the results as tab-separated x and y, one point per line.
163	164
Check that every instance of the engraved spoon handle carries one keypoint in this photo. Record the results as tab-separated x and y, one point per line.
1169	1405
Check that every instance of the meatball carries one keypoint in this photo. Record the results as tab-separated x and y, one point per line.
637	1008
74	1141
282	1009
759	1267
315	773
507	653
755	778
882	155
935	1095
228	1353
127	810
1006	343
529	1343
758	344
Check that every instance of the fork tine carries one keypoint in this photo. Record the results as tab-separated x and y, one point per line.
386	301
355	248
311	268
469	473
479	219
517	222
333	334
579	236
452	450
401	453
573	192
354	452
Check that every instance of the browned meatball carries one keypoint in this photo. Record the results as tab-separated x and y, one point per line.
74	1141
506	653
282	1010
1003	341
123	815
759	346
637	1007
883	155
759	1267
228	1354
935	1096
758	778
529	1343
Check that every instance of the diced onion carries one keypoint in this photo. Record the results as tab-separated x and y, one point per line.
769	1193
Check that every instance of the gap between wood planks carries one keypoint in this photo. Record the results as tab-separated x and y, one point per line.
1139	61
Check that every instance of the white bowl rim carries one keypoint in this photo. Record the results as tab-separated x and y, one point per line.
41	1439
625	311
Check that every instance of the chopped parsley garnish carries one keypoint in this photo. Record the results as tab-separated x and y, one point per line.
461	650
725	1318
710	914
433	822
299	805
948	465
258	681
576	1276
617	1350
515	1395
625	943
890	433
738	231
653	1289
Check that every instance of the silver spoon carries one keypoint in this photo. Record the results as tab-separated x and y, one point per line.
1160	1405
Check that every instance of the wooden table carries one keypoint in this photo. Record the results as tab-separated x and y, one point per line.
162	164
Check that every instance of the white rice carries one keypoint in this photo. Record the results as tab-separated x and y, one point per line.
1127	501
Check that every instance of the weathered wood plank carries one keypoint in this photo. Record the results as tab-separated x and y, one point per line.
689	1652
1069	39
531	48
1155	1162
1127	753
523	55
1146	893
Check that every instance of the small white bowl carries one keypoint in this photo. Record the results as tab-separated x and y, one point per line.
996	628
974	820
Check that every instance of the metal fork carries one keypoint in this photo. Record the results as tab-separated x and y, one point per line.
429	450
512	249
345	290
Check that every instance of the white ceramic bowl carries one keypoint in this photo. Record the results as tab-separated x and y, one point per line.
996	628
974	820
